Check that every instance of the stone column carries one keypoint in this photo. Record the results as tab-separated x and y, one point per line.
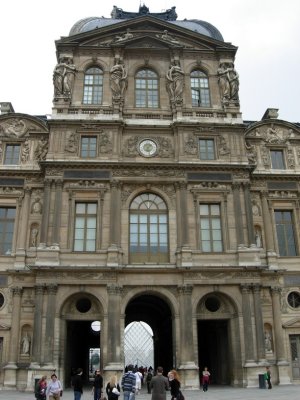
57	213
113	327
279	341
269	239
14	347
186	324
259	325
48	338
184	220
249	216
10	370
247	318
238	214
115	213
24	225
45	216
37	327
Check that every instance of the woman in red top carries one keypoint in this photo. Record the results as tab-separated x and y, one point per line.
40	389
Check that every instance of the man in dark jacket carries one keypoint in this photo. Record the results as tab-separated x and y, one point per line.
159	385
98	385
77	384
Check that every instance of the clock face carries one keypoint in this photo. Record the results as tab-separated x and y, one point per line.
148	147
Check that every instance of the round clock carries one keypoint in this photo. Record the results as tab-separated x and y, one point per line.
148	147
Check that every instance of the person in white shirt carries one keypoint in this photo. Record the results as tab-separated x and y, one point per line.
54	388
138	381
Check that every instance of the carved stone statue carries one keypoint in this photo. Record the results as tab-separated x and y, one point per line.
25	344
228	82
175	83
118	80
63	78
33	237
41	149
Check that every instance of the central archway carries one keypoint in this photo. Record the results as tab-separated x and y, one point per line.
157	314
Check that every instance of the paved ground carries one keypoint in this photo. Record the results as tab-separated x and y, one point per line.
287	392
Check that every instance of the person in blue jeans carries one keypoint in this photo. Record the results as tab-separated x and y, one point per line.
128	383
77	384
98	385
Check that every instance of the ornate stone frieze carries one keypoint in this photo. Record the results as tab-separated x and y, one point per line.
105	143
283	194
71	144
191	145
41	149
223	147
54	171
15	127
142	172
10	191
251	153
265	155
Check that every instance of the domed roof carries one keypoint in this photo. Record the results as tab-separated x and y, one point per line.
118	15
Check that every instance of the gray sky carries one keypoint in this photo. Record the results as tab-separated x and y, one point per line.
267	33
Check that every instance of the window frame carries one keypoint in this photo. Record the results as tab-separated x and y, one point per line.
283	240
90	148
204	92
275	160
207	139
92	92
147	91
5	220
210	230
148	256
13	156
85	229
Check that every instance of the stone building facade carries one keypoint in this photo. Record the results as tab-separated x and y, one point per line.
146	197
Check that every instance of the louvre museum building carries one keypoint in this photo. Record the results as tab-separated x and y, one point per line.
145	198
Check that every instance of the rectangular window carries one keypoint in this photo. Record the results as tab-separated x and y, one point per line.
210	228
12	154
85	227
285	233
277	159
7	221
88	147
207	149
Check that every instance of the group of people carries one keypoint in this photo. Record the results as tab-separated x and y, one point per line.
52	390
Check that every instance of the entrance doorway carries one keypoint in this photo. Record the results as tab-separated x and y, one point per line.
82	350
155	312
295	353
213	350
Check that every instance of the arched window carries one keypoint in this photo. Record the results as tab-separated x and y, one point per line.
148	225
93	84
200	89
146	89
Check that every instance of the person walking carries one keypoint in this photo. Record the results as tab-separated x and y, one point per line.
268	377
205	379
40	388
97	385
159	385
54	388
128	383
174	383
149	376
77	384
113	388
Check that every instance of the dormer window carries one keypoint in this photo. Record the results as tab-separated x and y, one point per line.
12	154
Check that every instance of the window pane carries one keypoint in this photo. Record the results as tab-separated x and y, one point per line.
93	84
85	227
199	89
146	89
210	228
285	233
12	153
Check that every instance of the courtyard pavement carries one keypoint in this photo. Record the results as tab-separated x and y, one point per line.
285	392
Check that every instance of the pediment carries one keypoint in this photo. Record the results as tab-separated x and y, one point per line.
292	323
273	132
20	125
127	33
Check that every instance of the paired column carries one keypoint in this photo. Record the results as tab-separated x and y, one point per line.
186	324
269	239
248	333
113	324
57	213
50	321
24	225
260	339
45	216
37	328
238	214
279	341
249	216
115	213
15	325
183	228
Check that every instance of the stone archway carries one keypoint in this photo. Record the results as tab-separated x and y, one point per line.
78	314
219	338
154	311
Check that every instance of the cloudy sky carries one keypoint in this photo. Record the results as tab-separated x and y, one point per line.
267	33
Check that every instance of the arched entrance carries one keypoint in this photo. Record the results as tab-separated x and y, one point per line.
218	338
157	314
81	348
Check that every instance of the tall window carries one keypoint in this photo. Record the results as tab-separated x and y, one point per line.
12	154
200	89
285	233
146	89
207	149
88	147
93	85
148	229
277	159
7	221
85	227
210	228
